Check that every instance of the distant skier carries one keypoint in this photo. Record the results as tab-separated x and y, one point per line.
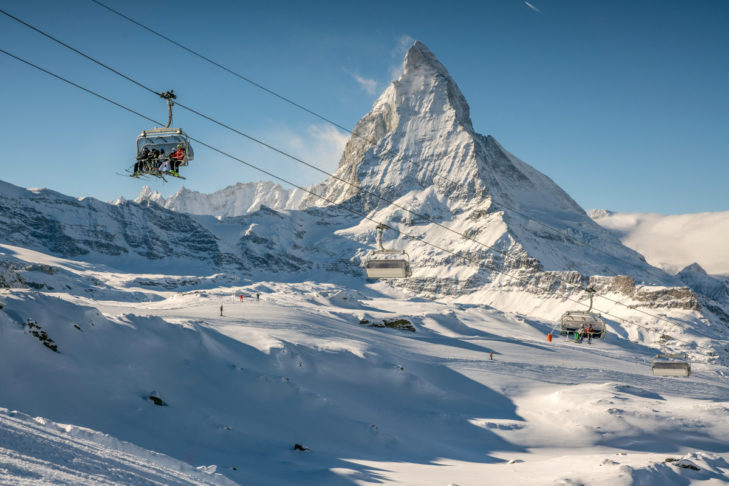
241	297
258	296
491	355
221	310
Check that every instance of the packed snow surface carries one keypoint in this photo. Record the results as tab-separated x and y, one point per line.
311	363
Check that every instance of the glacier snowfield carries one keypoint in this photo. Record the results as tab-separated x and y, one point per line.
299	365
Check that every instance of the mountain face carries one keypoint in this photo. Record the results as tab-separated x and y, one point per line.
419	135
145	237
85	228
417	149
235	200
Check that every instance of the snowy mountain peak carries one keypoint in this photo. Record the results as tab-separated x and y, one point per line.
418	129
423	72
231	201
148	195
694	268
419	55
415	159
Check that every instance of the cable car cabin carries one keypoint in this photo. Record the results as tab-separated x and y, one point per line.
378	266
574	322
166	139
671	365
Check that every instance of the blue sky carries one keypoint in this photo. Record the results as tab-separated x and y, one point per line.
622	103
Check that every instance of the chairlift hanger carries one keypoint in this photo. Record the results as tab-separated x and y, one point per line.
165	140
583	323
379	263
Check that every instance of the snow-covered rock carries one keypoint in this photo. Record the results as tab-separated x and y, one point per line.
696	277
236	200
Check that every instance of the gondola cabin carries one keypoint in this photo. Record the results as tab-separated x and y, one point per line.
167	139
573	322
671	365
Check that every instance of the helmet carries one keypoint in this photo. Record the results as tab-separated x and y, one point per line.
179	146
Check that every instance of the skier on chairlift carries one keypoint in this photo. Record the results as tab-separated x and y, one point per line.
589	332
164	162
176	159
141	160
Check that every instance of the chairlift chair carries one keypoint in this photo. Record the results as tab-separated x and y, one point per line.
579	321
574	322
165	138
381	264
671	365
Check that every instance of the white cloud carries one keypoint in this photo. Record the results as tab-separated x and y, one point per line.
403	44
320	145
532	7
369	85
398	53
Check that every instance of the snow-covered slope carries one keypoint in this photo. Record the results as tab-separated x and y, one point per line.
673	241
34	450
252	345
314	363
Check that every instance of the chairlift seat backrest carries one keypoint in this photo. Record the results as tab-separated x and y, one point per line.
166	139
382	267
671	365
578	321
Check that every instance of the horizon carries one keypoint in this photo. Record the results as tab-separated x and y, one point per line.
575	86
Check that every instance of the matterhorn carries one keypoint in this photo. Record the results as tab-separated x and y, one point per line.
234	336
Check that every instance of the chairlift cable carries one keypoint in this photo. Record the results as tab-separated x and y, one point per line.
264	171
488	247
353	133
80	53
264	144
78	86
271	147
318	115
234	73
